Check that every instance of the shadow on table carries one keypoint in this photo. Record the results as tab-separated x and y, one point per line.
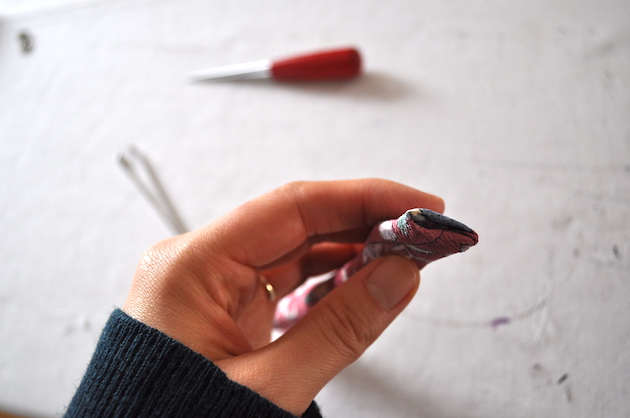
371	86
394	400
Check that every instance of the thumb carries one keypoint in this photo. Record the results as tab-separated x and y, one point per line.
293	369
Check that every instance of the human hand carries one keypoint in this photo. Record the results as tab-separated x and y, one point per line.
204	288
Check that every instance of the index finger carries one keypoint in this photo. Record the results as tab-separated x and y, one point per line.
278	223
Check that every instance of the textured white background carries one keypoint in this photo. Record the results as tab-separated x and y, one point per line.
517	113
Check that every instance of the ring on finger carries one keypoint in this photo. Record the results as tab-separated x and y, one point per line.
271	292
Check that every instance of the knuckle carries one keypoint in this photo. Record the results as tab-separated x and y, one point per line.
157	256
294	189
170	254
296	185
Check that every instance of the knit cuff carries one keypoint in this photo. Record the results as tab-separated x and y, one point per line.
138	371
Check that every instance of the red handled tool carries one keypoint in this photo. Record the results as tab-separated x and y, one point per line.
334	64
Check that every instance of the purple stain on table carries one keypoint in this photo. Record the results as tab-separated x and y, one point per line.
502	320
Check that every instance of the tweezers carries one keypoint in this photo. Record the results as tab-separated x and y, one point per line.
141	172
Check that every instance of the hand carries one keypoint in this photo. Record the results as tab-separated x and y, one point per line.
204	288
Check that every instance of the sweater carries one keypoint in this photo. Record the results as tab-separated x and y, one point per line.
138	371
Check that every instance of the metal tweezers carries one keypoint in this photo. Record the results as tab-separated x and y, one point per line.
142	174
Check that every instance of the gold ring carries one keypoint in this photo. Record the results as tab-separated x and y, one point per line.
271	292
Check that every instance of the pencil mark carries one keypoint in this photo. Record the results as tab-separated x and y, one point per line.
543	380
616	252
562	223
493	323
568	394
537	369
26	41
611	46
502	320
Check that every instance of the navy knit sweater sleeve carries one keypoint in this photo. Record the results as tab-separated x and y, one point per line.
138	371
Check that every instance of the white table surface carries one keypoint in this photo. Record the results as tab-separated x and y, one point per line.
517	113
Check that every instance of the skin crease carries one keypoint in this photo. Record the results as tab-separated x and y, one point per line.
203	288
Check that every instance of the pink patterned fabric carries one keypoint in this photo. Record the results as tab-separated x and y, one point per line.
420	235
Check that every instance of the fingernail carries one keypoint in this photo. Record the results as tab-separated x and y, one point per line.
392	280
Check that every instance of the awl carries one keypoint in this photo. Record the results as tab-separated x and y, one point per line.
333	64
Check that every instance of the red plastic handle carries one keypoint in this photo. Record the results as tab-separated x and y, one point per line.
325	65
